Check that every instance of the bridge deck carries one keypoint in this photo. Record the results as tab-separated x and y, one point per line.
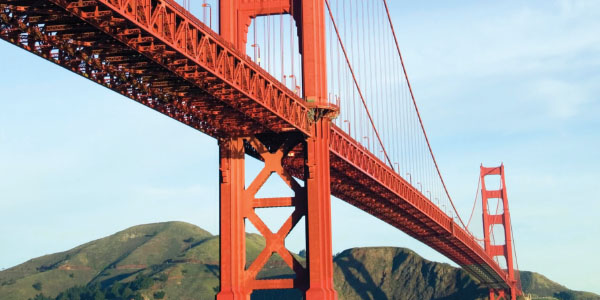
155	53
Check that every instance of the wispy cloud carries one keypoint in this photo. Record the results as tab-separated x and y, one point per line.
517	82
561	99
495	40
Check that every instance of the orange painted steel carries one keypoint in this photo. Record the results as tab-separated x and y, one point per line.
158	54
233	212
319	253
497	295
238	204
207	68
363	180
236	16
310	16
489	220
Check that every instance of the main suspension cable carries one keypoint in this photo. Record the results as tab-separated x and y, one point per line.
362	98
514	244
419	115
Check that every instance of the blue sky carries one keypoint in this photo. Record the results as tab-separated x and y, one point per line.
513	81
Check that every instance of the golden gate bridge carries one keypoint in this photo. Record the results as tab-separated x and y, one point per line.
316	89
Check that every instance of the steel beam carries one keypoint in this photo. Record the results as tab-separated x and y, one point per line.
239	278
320	262
232	230
491	218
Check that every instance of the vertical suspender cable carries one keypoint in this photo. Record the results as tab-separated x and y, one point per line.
512	234
372	75
254	42
355	120
274	44
264	45
281	47
386	86
474	202
365	57
292	47
357	86
418	114
349	87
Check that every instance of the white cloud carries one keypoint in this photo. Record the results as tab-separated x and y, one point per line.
493	40
517	81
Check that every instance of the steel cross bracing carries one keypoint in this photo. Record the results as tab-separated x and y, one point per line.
158	54
240	204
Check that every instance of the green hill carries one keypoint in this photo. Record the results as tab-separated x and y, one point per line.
543	288
119	257
176	260
397	273
181	259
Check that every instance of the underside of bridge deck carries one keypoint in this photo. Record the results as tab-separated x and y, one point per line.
156	53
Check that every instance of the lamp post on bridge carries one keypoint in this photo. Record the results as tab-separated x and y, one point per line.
346	121
257	49
204	6
421	186
295	87
409	177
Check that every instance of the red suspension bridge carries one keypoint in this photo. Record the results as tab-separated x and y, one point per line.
316	89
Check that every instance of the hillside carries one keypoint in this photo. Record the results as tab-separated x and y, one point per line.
176	260
536	284
182	259
397	273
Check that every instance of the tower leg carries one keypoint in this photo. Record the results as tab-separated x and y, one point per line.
502	219
501	295
232	231
320	258
312	200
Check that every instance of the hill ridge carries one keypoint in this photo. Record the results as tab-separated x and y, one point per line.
181	260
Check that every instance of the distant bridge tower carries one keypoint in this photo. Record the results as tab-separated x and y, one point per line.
312	200
489	220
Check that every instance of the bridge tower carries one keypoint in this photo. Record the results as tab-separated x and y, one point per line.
490	219
311	200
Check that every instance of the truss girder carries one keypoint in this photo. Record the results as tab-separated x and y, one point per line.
159	55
